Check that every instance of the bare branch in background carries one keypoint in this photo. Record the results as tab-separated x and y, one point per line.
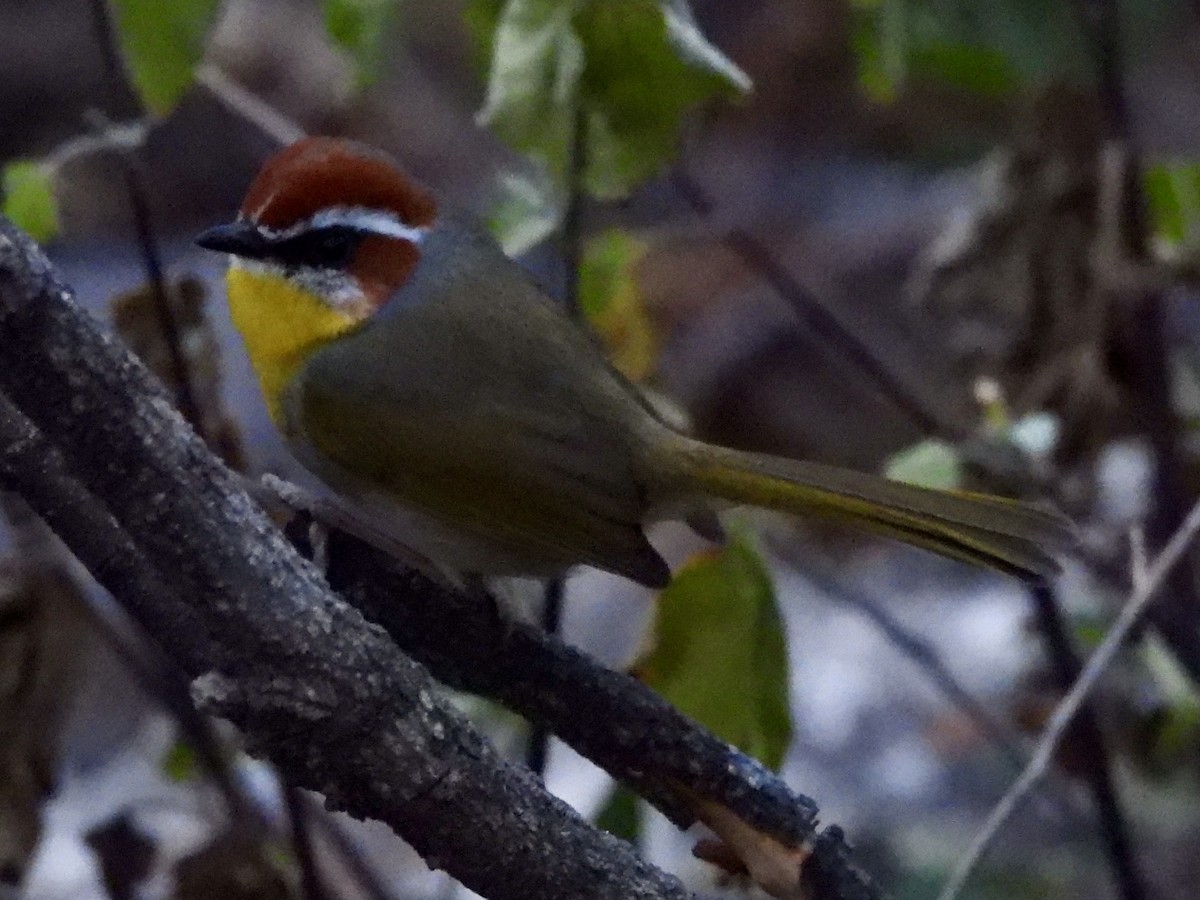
571	243
809	308
121	95
1064	714
348	853
1146	347
1096	760
249	107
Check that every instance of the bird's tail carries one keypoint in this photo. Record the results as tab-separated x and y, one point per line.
990	531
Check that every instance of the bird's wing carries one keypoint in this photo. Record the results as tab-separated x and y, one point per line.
506	446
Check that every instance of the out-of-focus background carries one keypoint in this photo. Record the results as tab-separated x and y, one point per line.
986	219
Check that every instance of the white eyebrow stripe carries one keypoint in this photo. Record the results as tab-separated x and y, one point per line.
374	221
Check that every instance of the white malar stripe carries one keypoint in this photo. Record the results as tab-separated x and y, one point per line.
257	266
360	218
338	289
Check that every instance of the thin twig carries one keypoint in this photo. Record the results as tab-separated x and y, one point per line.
312	884
106	137
1101	21
537	754
248	106
924	656
571	242
349	854
1138	558
930	663
1139	600
143	223
115	72
1095	757
571	234
818	317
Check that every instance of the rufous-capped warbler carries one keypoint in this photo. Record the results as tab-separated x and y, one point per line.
422	374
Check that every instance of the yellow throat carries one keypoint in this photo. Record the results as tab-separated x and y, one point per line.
282	324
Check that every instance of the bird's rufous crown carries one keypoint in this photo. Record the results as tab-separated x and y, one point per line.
318	173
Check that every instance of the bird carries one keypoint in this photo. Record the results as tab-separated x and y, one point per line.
429	381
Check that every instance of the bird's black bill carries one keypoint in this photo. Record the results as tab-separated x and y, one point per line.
238	238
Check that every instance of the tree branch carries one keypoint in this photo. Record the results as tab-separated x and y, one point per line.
609	717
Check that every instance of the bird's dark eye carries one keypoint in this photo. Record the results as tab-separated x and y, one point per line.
334	246
331	247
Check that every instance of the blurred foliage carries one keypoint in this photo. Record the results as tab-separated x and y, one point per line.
179	763
28	192
719	651
613	304
1036	434
931	463
989	49
1171	739
1003	50
362	28
1173	194
992	881
550	62
162	43
526	212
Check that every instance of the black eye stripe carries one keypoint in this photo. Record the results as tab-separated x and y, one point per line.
328	247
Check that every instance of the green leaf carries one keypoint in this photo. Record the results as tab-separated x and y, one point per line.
1173	193
610	298
29	199
931	463
647	67
628	70
482	17
877	42
537	63
362	29
179	764
621	815
162	44
720	654
1176	724
980	70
